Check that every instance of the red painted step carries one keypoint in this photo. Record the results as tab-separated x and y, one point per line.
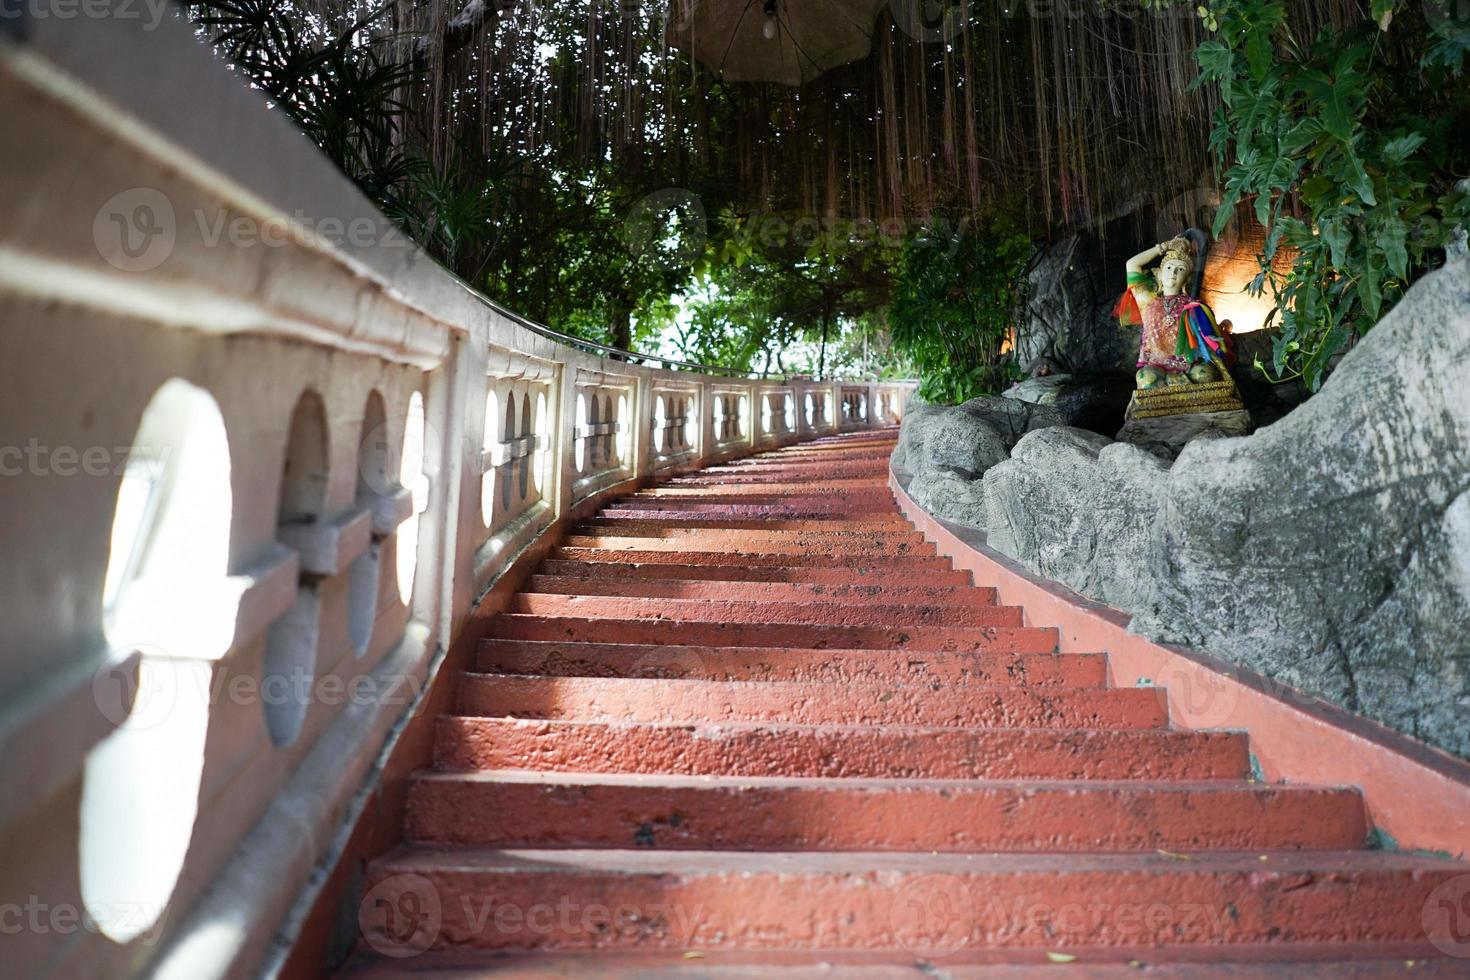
732	572
586	659
927	904
798	702
996	639
520	808
593	550
769	543
750	715
838	751
763	591
648	520
873	613
1335	961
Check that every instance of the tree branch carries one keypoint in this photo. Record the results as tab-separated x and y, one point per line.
463	27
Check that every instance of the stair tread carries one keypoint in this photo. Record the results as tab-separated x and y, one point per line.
1339	961
837	728
1038	786
576	861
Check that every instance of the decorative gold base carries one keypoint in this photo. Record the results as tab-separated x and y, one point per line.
1185	399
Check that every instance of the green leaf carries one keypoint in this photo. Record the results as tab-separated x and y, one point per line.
1370	289
1302	135
1402	148
1226	209
1258	51
1392	237
1336	233
1216	63
1359	181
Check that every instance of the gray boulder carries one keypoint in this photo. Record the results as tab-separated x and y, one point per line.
1080	509
918	419
948	450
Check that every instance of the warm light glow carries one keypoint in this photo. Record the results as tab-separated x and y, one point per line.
1231	266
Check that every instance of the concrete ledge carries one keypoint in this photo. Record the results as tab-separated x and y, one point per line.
1417	795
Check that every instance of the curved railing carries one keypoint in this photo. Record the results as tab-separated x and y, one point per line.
262	458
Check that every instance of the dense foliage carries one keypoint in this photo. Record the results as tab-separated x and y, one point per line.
534	218
957	299
1349	145
567	160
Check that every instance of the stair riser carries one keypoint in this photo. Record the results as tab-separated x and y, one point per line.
785	664
810	547
603	699
759	611
936	914
980	639
466	744
845	466
731	572
772	482
588	552
826	489
874	501
644	520
674	522
763	591
834	817
874	453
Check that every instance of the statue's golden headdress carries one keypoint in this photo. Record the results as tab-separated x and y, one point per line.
1179	249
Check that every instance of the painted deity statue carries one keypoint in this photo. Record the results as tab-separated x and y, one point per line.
1182	344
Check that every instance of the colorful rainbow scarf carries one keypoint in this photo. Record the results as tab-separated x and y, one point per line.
1199	336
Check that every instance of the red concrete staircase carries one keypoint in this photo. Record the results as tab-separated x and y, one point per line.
748	721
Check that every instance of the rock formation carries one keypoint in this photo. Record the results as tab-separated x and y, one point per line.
1330	550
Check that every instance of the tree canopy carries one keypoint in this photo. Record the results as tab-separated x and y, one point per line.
566	159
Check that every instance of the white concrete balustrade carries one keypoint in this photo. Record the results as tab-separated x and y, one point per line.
259	458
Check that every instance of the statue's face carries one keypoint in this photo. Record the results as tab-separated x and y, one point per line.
1172	273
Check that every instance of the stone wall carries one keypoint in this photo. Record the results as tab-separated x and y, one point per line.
1330	550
